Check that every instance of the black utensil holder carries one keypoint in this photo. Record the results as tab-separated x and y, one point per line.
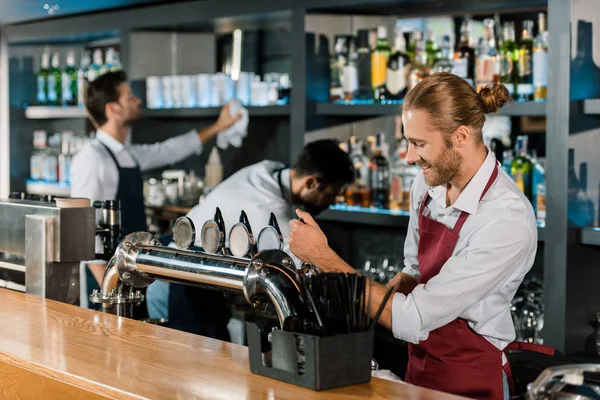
313	362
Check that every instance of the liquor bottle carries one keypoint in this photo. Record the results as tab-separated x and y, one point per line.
50	168
379	59
337	62
42	79
538	186
82	77
521	167
525	87
363	66
507	162
96	69
420	70
350	75
36	162
397	171
380	177
411	48
398	70
540	61
64	158
485	65
113	60
70	81
360	192
54	81
464	61
509	59
444	63
431	48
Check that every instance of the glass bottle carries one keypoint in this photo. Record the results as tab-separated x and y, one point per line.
82	76
525	88
431	48
350	75
380	176
96	68
397	171
36	163
42	79
444	64
411	48
485	65
363	67
379	59
540	61
337	63
509	56
464	62
521	167
69	81
398	70
54	81
420	70
64	158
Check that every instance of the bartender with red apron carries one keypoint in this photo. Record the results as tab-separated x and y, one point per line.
471	239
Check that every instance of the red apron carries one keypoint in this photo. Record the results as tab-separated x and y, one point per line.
454	358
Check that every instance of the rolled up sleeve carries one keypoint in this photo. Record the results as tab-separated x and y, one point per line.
171	151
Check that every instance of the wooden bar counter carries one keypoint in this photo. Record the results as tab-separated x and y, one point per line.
54	350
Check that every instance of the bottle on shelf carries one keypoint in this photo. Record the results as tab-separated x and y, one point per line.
397	172
70	82
420	70
42	79
363	67
540	61
521	167
464	61
507	162
113	60
213	170
525	87
64	158
379	59
338	61
538	187
431	47
37	159
509	59
50	169
411	48
55	81
485	65
357	194
97	66
350	76
398	70
444	63
380	176
82	76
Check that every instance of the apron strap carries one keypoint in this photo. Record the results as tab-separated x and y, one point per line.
536	348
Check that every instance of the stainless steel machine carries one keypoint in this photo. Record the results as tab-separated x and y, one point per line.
268	279
46	239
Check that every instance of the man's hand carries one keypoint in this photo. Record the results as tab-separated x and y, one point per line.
309	244
225	119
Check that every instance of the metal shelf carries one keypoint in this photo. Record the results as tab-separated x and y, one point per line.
48	188
383	218
266	111
513	109
590	236
56	112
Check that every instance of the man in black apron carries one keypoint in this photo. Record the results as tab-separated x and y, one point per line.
110	169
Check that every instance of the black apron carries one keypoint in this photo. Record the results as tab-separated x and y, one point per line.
130	194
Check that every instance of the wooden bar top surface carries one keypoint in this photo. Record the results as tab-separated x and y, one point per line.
54	350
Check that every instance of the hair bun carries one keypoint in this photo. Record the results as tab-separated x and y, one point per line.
494	97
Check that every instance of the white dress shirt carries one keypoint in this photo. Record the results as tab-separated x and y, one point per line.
254	189
495	249
95	176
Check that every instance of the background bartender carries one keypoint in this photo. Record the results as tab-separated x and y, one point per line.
109	169
471	239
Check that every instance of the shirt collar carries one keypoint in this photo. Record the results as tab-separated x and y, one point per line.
113	144
471	194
